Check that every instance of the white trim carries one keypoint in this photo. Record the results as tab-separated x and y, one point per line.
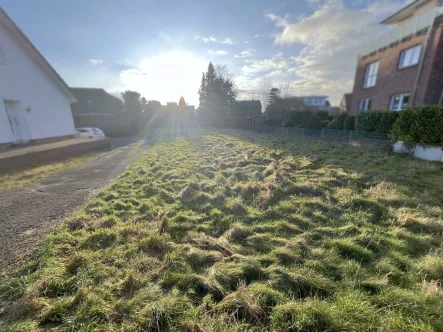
400	103
371	72
410	56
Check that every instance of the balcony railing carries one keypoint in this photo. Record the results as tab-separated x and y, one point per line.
406	29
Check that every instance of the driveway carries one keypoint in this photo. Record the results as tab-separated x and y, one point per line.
28	213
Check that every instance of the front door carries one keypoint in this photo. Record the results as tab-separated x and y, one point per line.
17	120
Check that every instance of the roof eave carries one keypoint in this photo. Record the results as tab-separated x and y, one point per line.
394	17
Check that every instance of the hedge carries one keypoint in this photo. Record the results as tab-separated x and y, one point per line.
349	123
314	122
420	125
378	121
340	121
297	118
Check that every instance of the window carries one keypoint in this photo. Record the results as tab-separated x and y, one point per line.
399	102
371	75
2	57
409	57
365	105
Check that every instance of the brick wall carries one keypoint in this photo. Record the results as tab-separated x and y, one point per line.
391	80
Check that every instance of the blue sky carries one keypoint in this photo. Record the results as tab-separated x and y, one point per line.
160	47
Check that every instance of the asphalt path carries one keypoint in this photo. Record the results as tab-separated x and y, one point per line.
30	212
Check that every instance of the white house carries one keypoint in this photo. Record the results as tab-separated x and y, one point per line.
34	99
320	102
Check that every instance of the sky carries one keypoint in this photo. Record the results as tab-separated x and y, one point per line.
161	47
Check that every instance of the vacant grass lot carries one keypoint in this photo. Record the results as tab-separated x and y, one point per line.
240	232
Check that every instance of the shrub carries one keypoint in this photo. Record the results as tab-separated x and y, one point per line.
297	118
340	121
420	125
349	123
313	122
332	124
322	115
378	121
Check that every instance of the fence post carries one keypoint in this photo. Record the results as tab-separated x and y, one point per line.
350	136
302	133
322	133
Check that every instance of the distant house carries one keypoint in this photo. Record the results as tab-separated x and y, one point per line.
95	100
315	103
246	109
402	67
34	99
320	103
97	108
345	103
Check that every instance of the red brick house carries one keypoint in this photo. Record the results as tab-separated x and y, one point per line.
403	67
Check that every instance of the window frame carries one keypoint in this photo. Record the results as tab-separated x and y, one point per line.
403	55
401	102
2	57
367	103
371	77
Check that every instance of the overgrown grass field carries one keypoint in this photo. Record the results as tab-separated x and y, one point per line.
234	231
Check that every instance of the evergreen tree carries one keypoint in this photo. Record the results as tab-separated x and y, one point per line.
202	92
144	104
274	98
210	75
181	102
132	102
216	94
275	110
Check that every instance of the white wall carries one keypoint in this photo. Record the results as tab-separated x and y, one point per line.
22	79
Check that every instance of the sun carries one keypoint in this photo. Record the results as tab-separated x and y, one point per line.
166	77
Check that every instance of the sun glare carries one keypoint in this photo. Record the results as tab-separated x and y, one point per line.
167	77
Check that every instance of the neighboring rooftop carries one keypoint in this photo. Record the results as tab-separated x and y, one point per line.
411	20
408	11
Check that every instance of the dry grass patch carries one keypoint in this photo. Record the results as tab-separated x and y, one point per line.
233	231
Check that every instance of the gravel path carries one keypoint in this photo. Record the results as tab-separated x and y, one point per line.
28	213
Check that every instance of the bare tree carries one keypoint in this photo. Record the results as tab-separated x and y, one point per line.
263	92
285	89
224	75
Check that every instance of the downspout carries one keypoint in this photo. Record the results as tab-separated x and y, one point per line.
420	66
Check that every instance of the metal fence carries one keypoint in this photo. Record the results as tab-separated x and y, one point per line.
327	135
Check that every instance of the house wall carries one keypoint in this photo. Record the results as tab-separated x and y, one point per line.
23	80
391	80
90	100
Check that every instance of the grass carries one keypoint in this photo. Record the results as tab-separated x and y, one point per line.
39	173
234	231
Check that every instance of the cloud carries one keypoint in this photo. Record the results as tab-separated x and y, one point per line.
209	39
219	52
276	73
331	37
95	62
227	41
265	65
245	54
